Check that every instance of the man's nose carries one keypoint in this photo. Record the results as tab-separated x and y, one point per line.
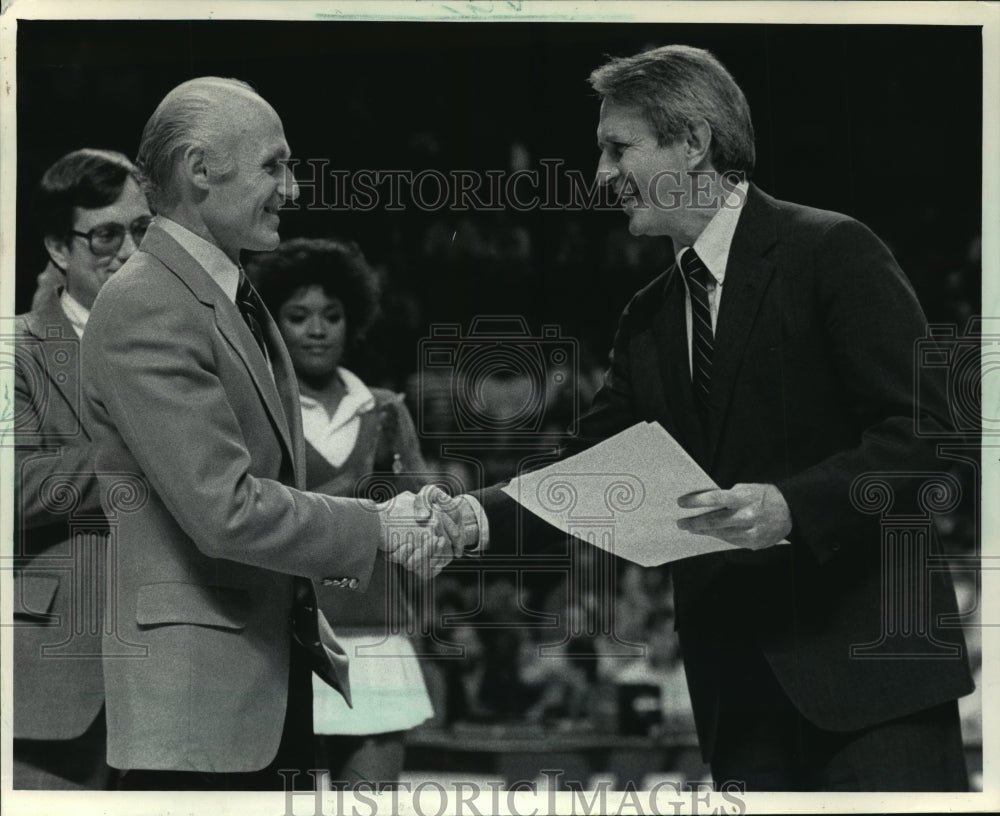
127	248
606	171
290	187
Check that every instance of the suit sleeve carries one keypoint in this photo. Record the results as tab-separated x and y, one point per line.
150	373
874	325
49	442
514	529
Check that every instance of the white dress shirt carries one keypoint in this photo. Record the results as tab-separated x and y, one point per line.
334	436
76	314
212	259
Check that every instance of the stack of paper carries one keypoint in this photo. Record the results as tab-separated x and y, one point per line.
621	495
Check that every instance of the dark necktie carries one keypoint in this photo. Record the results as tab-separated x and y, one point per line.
251	307
702	339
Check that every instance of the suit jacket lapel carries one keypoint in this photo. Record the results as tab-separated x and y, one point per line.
748	273
49	322
670	331
288	392
231	326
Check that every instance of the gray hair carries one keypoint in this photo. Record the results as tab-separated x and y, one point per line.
189	116
677	85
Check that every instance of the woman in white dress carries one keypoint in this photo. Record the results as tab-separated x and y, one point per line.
359	440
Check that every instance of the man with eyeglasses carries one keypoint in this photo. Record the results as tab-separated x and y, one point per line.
93	215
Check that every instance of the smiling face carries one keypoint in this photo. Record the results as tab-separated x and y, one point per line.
314	327
87	272
650	178
240	210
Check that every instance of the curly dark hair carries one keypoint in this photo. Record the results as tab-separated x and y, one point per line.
339	267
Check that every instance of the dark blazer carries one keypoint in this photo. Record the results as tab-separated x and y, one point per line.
812	387
183	409
59	535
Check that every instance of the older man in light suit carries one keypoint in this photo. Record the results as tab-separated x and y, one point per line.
188	385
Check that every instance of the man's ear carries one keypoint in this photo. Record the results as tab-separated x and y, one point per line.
699	144
58	251
195	168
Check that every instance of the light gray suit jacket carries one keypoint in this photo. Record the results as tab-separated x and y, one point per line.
213	526
58	535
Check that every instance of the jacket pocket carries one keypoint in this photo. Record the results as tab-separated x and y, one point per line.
172	603
34	593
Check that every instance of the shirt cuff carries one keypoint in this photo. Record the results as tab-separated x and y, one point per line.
477	516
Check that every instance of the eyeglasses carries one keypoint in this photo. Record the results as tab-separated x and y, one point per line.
107	239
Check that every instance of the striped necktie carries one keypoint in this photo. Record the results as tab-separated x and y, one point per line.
702	338
251	307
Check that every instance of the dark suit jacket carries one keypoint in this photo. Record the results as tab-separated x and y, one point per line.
812	387
213	526
58	684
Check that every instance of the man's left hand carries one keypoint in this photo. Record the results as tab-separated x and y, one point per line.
753	516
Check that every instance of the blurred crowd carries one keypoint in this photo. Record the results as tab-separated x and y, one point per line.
530	646
496	361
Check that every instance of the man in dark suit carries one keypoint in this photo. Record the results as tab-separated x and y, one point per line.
779	350
188	385
93	214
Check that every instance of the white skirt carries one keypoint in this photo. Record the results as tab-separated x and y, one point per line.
387	688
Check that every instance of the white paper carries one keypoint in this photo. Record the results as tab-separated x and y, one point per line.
621	496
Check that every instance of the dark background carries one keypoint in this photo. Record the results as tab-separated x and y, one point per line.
880	122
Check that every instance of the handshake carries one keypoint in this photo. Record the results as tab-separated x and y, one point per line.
423	532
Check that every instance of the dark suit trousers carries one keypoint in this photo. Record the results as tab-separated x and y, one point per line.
74	764
295	752
763	742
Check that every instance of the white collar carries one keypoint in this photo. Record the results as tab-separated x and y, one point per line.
212	259
715	240
357	400
75	312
